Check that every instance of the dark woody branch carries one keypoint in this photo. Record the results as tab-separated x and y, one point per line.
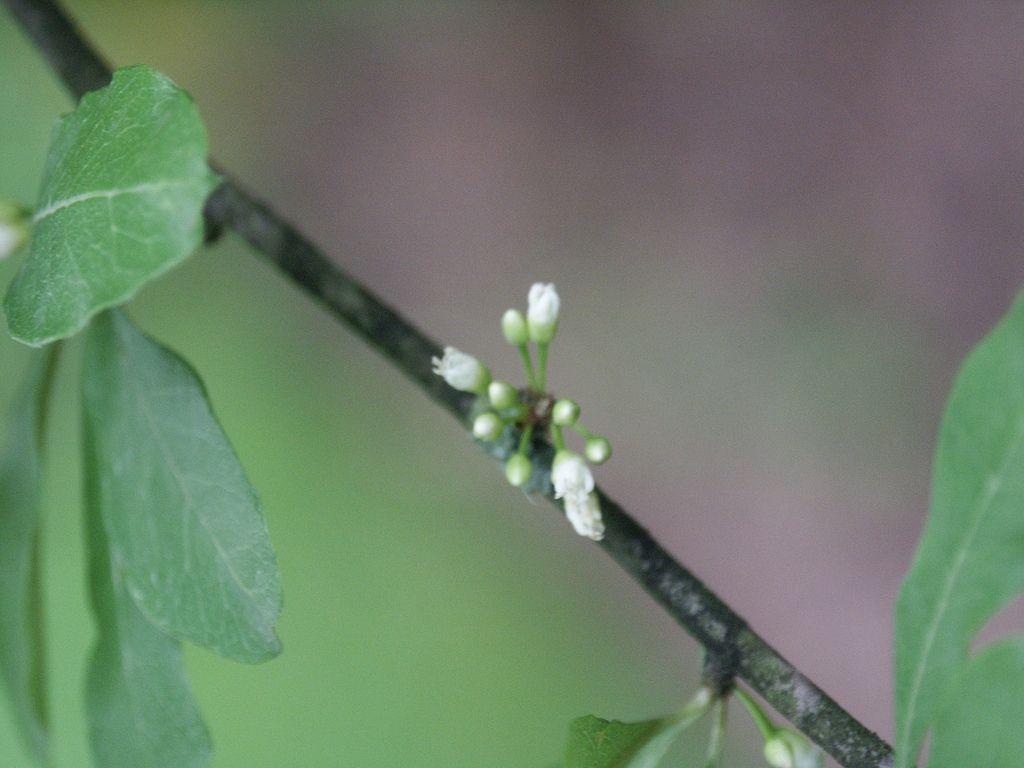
733	649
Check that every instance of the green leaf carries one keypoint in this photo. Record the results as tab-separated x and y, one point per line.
970	561
139	704
121	203
22	658
981	722
597	743
185	527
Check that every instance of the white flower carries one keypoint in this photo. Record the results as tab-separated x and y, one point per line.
585	515
542	315
462	371
571	477
789	749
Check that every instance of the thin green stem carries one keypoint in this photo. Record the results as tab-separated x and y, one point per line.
695	708
557	438
531	378
542	365
581	430
524	440
716	742
767	727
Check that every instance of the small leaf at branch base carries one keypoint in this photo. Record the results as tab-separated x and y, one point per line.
138	702
121	203
982	723
22	658
597	743
970	562
185	528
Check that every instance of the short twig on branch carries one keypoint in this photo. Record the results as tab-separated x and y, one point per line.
732	646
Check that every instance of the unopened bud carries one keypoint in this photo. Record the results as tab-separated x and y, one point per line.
542	314
518	470
564	413
502	395
790	749
513	325
598	450
15	227
487	427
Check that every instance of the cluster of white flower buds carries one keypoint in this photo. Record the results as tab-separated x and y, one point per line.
15	227
533	411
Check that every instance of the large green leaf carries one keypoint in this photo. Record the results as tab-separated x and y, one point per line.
121	202
185	527
21	637
970	561
982	722
597	743
139	704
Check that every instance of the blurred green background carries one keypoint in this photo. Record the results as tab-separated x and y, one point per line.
775	228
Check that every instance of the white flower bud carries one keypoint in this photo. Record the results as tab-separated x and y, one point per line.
571	477
518	470
502	395
564	413
542	314
790	749
462	371
487	427
14	227
513	325
585	515
598	450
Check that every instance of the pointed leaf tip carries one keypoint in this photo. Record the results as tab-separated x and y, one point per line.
185	527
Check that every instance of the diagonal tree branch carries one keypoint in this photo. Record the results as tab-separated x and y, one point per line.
733	647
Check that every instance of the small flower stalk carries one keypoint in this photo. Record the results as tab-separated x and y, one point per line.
783	747
533	411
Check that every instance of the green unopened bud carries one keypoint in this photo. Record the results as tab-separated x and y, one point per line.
15	227
487	427
598	450
542	314
790	749
513	325
518	470
502	395
564	413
